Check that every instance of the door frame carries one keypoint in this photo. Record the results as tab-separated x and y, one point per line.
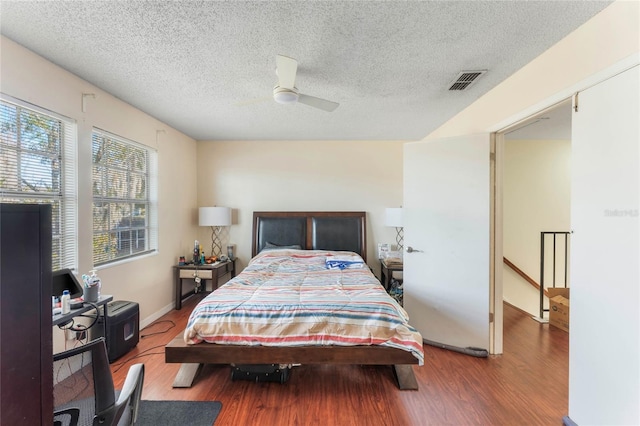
495	244
497	169
497	237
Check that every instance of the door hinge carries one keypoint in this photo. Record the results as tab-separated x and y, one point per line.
492	156
575	102
490	317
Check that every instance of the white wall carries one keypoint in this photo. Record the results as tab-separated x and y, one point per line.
148	281
536	197
253	176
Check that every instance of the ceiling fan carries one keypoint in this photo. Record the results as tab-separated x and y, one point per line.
287	93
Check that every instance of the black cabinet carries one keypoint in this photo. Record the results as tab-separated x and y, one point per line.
26	373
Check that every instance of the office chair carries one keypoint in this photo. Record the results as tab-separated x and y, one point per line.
83	391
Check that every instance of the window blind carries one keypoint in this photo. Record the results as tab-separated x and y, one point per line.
124	198
38	165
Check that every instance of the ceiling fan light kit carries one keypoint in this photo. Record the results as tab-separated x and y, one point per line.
285	96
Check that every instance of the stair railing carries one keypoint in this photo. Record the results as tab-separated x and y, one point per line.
558	237
522	274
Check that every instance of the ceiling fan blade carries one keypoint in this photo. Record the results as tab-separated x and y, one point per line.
286	69
317	102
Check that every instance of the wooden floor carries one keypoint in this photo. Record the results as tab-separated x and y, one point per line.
527	385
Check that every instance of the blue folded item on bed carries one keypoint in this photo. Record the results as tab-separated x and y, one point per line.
340	262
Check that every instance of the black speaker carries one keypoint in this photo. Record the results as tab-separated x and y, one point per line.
123	328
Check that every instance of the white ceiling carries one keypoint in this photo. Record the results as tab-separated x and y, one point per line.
389	64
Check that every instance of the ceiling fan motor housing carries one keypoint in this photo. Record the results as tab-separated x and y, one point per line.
285	96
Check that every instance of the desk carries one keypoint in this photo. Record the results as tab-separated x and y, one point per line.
205	272
59	319
386	272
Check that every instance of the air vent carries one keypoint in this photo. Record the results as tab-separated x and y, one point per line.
465	79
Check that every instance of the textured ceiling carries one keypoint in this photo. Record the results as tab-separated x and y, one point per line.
389	64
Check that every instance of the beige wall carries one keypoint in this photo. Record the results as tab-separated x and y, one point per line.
536	197
253	176
148	280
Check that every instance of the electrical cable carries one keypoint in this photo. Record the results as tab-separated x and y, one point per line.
119	365
145	352
173	324
82	327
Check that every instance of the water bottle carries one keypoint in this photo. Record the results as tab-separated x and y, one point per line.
65	302
196	252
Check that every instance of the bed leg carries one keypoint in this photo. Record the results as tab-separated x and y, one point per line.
186	375
405	377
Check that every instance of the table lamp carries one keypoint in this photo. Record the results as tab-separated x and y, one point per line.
216	218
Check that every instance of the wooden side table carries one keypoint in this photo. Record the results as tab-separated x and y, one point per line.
206	273
386	272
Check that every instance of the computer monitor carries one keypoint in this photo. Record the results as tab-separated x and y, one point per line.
64	279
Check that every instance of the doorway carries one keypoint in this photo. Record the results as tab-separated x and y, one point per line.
536	191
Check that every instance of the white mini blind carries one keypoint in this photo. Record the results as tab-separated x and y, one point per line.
38	165
124	198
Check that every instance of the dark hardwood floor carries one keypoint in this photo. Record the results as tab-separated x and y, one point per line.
527	385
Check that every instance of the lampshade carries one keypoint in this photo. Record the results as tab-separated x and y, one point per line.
214	216
393	217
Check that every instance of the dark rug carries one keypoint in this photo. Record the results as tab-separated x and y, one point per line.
170	413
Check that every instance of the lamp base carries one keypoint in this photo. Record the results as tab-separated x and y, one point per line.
399	239
216	244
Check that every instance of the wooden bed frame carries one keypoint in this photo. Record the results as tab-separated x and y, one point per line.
309	230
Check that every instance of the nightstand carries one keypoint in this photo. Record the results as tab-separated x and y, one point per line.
387	270
205	272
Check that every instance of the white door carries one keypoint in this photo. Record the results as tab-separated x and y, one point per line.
604	336
447	218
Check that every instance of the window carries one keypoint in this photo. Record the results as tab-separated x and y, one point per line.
38	165
124	207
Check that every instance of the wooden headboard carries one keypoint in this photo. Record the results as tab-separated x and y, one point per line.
311	231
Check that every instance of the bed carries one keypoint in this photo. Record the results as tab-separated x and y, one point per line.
298	257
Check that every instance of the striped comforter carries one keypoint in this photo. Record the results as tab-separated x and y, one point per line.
291	298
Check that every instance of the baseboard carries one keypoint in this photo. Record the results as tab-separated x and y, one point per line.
150	319
566	421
